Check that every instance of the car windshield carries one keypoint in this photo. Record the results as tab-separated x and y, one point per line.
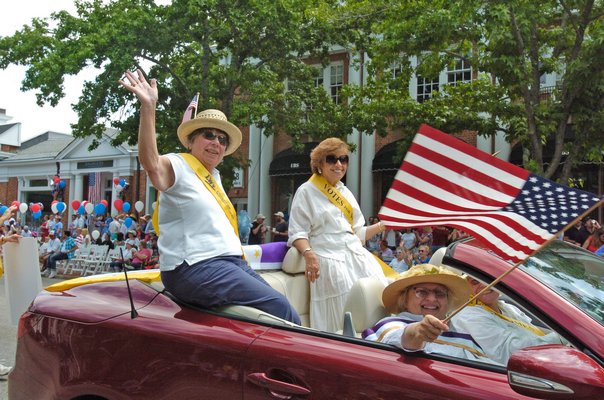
574	273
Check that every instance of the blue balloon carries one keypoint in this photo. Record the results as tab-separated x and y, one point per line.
61	206
3	209
37	214
100	209
81	210
62	184
126	206
123	182
128	222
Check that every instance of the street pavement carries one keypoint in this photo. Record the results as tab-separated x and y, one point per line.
8	334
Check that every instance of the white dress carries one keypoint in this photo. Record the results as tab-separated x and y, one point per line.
343	259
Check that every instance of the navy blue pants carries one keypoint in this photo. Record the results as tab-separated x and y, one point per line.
226	280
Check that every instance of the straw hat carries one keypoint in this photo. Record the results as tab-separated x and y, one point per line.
211	119
458	288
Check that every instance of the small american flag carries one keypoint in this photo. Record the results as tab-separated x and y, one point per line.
94	187
444	181
191	109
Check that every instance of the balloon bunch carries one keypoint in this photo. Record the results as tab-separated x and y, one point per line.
120	184
86	207
57	185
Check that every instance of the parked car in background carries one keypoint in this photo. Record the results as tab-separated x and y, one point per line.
83	342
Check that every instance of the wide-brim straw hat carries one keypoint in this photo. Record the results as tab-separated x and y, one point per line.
458	288
211	119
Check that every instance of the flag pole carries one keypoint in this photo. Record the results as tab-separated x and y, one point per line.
506	273
196	103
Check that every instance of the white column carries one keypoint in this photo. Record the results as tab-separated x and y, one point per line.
266	156
254	170
366	196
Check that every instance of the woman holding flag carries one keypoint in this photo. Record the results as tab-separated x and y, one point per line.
200	253
327	227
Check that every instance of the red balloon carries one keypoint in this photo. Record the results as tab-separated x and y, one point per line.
15	203
118	203
54	202
116	181
35	208
75	205
105	203
56	180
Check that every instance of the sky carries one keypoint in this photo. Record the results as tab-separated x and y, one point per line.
22	106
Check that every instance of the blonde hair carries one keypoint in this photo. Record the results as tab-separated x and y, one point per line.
323	149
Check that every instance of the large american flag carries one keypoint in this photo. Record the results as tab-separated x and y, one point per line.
191	109
444	181
95	187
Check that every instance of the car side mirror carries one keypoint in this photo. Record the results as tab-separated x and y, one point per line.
555	371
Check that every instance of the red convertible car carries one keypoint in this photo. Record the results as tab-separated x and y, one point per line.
95	339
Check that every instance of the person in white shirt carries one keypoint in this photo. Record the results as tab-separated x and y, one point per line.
402	260
498	327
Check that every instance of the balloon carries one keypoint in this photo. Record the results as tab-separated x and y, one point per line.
95	234
54	202
41	206
15	203
89	207
61	206
37	214
100	209
54	208
75	205
119	188
105	203
23	207
118	203
81	210
128	222
138	206
35	208
116	181
3	209
62	184
122	182
126	206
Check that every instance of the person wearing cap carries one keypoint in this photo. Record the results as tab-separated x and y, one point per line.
421	298
327	227
258	230
52	247
498	327
280	229
201	257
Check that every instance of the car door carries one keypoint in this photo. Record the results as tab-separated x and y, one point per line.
299	364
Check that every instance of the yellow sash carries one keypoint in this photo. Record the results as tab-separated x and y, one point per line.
210	184
338	200
527	326
1	267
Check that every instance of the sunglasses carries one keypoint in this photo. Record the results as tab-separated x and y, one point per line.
222	139
422	293
331	159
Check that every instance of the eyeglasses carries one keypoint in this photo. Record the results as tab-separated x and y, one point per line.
222	139
331	159
422	293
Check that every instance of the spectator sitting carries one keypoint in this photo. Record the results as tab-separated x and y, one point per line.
25	232
385	252
125	257
52	246
141	256
422	297
499	328
402	260
595	240
423	255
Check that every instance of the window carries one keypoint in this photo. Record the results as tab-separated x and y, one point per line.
462	72
336	81
318	79
425	87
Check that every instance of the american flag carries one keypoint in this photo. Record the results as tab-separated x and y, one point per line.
94	187
444	181
191	109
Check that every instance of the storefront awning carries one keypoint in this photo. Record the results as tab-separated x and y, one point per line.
289	162
388	158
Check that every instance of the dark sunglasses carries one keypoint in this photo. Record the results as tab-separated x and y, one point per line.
222	139
331	159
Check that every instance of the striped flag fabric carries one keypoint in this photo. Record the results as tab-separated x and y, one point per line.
191	109
95	187
445	181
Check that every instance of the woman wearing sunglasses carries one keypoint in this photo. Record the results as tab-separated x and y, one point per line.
327	227
200	253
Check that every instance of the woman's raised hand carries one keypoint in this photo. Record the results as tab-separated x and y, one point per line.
137	84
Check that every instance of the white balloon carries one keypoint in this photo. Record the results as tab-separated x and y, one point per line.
23	207
53	207
89	207
138	206
118	187
95	235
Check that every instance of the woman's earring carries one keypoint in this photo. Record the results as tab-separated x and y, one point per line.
320	172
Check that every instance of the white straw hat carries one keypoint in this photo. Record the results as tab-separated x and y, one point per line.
211	119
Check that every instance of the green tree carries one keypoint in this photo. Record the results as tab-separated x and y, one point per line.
238	54
510	45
